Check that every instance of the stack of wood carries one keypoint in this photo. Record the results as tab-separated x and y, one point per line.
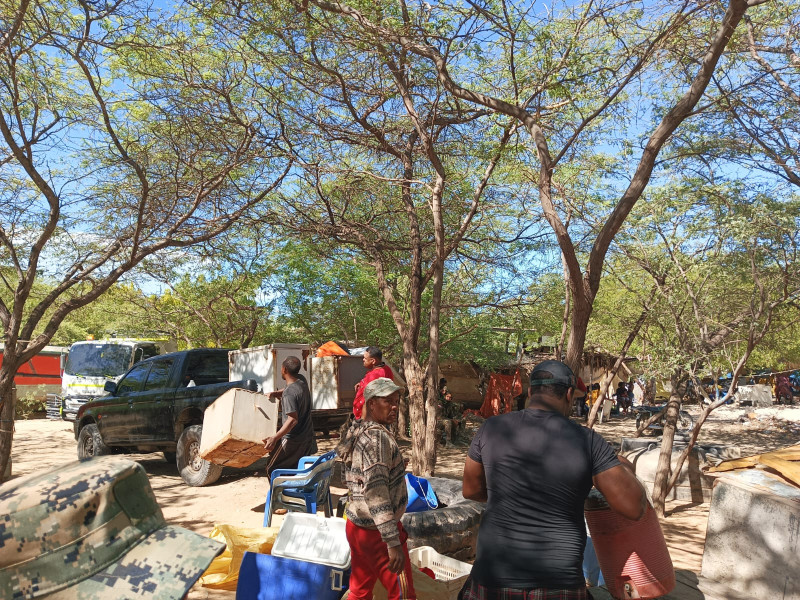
784	462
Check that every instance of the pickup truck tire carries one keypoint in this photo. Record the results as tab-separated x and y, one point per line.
90	444
195	471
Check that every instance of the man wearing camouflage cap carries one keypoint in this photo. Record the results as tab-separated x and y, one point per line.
375	474
93	530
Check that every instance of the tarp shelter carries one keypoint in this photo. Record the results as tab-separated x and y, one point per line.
331	349
501	392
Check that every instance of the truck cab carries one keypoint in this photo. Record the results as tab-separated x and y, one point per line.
90	364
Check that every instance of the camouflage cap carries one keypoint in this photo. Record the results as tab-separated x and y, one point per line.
93	530
380	387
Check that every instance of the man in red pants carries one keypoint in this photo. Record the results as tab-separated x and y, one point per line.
375	474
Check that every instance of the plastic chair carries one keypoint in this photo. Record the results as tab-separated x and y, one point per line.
303	488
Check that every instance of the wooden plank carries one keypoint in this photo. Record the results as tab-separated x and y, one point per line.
790	453
788	469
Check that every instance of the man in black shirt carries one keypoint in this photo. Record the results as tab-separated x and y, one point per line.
536	467
295	439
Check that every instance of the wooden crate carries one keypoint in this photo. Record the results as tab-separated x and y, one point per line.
234	427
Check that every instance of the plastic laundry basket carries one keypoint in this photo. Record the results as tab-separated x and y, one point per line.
453	573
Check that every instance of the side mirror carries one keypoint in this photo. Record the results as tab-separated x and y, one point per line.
110	387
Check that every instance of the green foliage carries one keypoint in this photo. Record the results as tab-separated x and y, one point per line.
31	403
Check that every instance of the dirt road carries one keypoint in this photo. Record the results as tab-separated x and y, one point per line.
238	499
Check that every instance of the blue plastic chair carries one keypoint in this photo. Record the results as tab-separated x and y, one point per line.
303	488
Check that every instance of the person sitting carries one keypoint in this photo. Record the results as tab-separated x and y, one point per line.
450	419
621	397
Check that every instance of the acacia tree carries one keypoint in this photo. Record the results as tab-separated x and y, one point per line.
122	136
752	113
386	175
563	98
724	262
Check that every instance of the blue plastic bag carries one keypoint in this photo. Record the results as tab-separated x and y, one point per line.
420	494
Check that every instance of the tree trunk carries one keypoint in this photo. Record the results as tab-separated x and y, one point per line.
415	377
664	467
6	414
402	418
581	311
428	464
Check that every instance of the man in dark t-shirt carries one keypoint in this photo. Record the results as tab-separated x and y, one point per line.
536	467
295	439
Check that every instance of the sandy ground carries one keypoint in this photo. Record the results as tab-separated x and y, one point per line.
238	498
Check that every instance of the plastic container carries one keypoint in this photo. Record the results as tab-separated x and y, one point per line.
420	494
313	538
269	577
234	427
633	555
453	573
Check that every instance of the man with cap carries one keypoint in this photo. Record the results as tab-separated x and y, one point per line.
375	475
93	529
535	468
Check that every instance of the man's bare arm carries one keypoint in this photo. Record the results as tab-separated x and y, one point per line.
473	485
622	490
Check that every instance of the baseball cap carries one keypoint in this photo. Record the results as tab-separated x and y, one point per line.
382	387
93	529
559	374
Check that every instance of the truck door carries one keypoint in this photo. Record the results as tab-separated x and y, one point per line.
153	405
117	422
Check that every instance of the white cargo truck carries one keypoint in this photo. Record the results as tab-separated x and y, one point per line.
89	364
331	379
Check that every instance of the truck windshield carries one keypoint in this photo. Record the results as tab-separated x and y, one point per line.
98	360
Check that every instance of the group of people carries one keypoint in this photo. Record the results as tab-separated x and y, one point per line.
623	398
534	468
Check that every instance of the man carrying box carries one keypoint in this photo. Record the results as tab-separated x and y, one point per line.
295	439
375	474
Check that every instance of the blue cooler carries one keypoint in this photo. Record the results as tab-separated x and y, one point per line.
267	577
310	560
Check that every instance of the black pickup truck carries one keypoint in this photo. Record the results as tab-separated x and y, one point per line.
158	405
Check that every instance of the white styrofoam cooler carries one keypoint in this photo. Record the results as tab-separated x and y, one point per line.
313	538
753	535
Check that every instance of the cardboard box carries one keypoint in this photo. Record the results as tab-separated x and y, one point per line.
234	427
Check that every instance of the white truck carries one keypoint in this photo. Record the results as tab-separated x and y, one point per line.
331	379
89	364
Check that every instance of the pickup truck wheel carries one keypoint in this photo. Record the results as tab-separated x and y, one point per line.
194	470
90	444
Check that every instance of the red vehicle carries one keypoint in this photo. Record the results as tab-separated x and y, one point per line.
41	375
